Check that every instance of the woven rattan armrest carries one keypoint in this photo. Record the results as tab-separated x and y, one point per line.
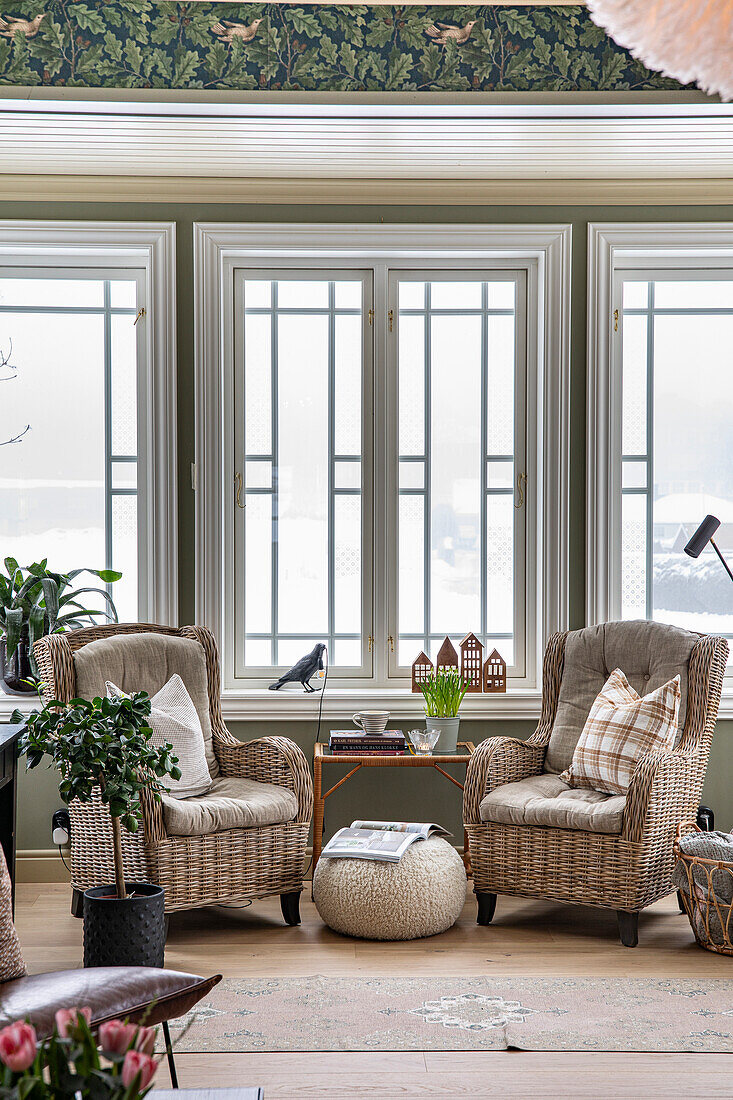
497	761
664	789
275	760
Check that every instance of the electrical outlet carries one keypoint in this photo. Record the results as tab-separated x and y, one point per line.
60	827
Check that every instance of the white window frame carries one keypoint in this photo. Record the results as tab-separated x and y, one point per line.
614	247
543	252
148	248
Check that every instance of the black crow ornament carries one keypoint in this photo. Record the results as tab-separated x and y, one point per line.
303	670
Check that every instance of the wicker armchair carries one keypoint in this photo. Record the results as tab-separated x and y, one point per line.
624	870
228	867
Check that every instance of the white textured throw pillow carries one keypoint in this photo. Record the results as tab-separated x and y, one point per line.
173	719
621	728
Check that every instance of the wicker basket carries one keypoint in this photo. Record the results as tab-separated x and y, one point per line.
711	918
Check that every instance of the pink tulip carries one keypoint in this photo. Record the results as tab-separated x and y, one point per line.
18	1046
138	1069
115	1037
67	1020
145	1040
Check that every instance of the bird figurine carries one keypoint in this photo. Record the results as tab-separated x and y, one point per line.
226	31
443	33
9	25
303	670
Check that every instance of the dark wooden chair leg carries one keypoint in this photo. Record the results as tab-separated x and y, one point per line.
77	903
486	906
169	1054
680	902
290	905
628	927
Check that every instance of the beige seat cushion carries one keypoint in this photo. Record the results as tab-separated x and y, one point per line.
548	802
230	803
145	662
649	654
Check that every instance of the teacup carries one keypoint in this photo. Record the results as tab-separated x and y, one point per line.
371	721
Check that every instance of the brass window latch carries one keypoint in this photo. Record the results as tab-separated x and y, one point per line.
140	313
615	320
521	482
238	491
390	317
370	315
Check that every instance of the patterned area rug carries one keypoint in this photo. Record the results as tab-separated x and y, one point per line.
364	1014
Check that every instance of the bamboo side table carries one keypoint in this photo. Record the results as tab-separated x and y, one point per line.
322	755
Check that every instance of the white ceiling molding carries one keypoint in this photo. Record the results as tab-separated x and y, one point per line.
202	145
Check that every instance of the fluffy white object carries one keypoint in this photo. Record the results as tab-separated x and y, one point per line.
689	40
421	895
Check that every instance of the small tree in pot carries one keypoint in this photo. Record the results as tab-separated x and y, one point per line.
104	746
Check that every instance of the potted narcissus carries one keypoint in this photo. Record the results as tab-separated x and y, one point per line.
103	747
443	693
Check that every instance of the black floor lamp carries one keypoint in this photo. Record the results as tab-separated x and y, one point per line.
702	537
694	548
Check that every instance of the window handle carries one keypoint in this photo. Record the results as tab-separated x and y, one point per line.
390	642
238	491
370	642
140	313
521	482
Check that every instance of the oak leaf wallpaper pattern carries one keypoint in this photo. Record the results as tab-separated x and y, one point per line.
142	44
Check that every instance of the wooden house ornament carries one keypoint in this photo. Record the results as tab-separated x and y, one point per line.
472	653
495	672
447	656
422	668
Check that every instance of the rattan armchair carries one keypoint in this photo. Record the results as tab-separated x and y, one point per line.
626	871
228	867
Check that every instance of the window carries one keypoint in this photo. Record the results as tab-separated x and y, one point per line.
89	400
668	424
677	443
377	423
461	367
300	535
69	485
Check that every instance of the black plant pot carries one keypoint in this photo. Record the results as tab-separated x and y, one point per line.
15	671
127	932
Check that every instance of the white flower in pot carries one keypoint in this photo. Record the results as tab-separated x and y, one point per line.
443	693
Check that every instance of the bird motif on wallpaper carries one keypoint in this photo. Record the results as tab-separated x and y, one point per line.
443	33
9	25
226	31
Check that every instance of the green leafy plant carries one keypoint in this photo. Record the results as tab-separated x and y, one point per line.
102	745
37	601
443	693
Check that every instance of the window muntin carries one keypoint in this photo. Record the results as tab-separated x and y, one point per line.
69	487
301	397
676	440
461	370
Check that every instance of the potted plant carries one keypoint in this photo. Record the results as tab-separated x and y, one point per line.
103	749
443	693
116	1065
36	602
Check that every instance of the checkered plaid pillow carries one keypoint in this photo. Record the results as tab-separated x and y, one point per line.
620	729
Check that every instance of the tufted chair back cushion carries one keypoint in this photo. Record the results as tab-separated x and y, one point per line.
649	654
145	662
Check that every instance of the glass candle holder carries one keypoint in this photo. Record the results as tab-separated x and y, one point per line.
423	741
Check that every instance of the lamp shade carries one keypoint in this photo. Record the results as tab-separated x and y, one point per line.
689	40
702	536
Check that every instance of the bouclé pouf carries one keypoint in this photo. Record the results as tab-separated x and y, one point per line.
421	895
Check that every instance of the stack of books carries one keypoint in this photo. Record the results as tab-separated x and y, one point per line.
389	743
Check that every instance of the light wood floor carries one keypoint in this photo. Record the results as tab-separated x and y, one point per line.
527	937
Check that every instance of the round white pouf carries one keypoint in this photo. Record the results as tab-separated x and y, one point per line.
421	895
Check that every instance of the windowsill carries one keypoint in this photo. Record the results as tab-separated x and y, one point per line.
259	704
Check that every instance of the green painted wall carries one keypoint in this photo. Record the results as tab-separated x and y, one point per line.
394	794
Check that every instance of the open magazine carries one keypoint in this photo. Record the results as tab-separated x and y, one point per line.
384	840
